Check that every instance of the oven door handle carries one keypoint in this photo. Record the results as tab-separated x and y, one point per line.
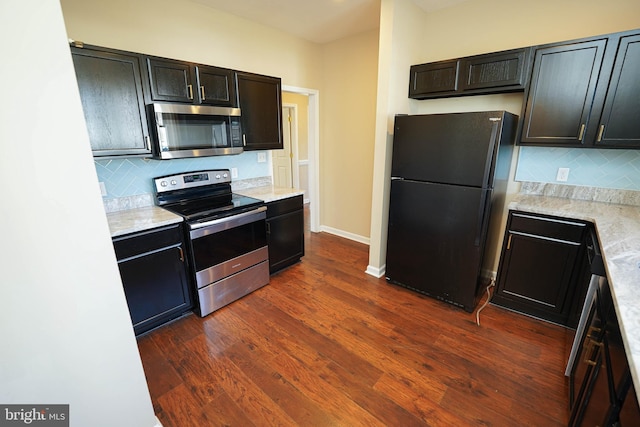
220	224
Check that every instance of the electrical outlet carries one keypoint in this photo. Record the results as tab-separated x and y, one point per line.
563	174
234	172
262	157
103	189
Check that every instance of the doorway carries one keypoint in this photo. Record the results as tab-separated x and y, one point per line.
283	161
304	173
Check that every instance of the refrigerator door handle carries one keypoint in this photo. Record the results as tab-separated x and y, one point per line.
397	178
496	123
481	215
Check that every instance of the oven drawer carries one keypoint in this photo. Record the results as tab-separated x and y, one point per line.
225	291
232	266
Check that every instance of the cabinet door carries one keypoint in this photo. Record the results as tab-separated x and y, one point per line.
502	70
619	125
539	266
171	80
561	93
589	375
110	86
260	99
154	276
433	79
155	285
285	232
216	86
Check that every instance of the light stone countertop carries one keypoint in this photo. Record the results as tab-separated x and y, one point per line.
140	219
618	229
269	193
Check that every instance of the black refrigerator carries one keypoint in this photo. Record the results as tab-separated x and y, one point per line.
449	173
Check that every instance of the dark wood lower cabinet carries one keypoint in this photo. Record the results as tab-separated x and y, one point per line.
601	387
285	232
153	270
542	267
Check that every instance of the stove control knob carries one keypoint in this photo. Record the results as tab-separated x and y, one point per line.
218	176
225	175
163	183
173	182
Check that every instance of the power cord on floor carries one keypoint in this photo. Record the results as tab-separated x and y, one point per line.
491	284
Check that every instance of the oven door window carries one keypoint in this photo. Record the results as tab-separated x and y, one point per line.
192	132
225	245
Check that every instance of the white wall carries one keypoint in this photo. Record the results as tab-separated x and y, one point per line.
65	328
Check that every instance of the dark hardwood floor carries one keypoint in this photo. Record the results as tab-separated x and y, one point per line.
325	344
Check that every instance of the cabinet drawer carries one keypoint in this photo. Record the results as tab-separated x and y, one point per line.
283	206
547	226
147	241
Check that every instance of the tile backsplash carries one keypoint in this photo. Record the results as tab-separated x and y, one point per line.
134	176
618	169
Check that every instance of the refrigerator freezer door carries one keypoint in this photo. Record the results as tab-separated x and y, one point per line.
446	148
436	238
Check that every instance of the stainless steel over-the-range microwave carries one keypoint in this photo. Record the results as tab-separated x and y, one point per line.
195	130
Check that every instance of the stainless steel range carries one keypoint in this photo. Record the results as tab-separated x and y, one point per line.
226	232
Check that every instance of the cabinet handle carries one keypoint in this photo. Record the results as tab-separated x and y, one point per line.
202	97
147	142
589	350
509	242
581	132
190	89
181	253
244	140
268	228
600	132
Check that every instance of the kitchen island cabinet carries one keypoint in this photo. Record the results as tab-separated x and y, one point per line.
260	100
585	93
153	270
178	81
112	94
541	269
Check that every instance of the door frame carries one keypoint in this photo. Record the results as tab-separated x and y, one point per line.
293	140
314	152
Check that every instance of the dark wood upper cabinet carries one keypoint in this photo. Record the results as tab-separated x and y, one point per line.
112	95
619	125
495	71
435	79
481	74
585	93
216	86
260	100
560	99
178	81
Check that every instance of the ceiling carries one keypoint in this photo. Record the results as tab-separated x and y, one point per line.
319	21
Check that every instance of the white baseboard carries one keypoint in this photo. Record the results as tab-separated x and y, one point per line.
375	271
345	234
